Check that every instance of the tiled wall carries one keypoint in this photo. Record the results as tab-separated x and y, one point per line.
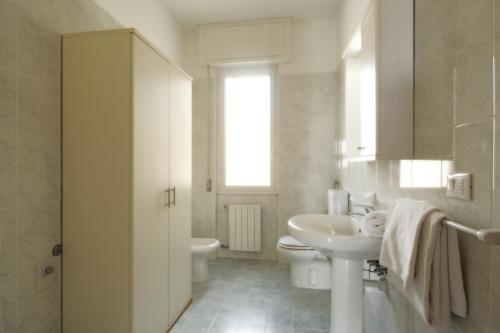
30	153
203	201
306	161
307	144
462	79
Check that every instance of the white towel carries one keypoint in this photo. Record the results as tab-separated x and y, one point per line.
434	285
400	239
373	223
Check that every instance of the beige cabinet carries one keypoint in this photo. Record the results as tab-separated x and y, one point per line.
379	84
180	210
127	185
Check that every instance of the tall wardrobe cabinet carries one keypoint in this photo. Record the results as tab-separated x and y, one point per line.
126	185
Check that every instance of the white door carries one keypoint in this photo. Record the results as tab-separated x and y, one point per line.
180	178
150	180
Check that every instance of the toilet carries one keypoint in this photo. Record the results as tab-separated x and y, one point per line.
201	249
309	268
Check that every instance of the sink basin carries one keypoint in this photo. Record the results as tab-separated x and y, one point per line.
339	236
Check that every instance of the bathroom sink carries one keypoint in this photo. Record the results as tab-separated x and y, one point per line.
337	234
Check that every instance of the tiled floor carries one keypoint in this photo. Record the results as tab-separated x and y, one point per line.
252	296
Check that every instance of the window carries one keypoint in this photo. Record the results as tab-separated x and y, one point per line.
246	135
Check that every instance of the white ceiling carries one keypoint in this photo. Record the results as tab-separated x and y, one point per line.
193	12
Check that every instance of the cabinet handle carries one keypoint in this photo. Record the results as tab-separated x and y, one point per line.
361	148
167	194
173	201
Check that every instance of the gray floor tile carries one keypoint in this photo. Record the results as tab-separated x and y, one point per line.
254	296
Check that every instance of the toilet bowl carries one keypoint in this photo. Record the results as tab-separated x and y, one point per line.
308	267
201	248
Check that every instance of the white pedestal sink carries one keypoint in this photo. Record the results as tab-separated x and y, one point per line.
339	237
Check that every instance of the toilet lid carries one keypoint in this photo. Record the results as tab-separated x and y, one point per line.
288	242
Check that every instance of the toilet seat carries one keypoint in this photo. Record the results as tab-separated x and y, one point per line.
290	243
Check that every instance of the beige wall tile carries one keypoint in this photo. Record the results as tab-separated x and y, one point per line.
67	16
8	173
9	317
8	242
39	171
471	55
307	160
452	71
203	214
474	154
7	102
39	110
434	70
494	323
53	326
38	51
7	34
30	58
39	229
84	15
36	308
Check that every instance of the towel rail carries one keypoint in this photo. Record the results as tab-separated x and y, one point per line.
490	236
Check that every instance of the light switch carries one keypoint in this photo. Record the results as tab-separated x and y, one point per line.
459	186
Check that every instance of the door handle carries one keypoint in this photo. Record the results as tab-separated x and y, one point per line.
167	197
173	201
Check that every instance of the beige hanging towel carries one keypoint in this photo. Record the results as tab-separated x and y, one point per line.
432	278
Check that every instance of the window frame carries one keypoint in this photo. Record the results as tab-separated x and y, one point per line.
221	74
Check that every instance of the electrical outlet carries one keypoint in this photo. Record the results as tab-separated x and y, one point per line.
459	186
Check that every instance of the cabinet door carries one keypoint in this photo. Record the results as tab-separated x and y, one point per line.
353	107
180	178
150	180
96	181
368	81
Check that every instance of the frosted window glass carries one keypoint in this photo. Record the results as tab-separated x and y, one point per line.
247	119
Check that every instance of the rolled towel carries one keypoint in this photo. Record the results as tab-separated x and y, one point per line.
373	223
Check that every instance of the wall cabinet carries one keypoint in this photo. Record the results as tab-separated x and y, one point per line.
126	185
379	84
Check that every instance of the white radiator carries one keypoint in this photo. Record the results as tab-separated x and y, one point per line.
244	228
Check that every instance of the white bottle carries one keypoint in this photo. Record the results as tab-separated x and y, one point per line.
338	202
